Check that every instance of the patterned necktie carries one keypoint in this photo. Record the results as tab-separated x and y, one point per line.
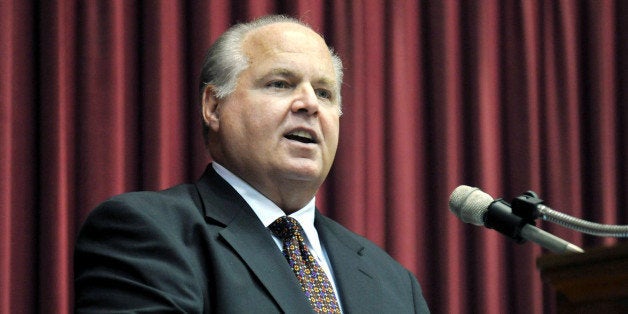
314	282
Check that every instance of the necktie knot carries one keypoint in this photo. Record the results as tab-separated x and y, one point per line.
285	228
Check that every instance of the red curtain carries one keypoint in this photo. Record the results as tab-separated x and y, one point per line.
99	98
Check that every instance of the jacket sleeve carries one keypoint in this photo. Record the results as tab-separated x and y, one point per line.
131	257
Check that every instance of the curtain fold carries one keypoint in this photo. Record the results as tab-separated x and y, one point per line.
101	97
18	229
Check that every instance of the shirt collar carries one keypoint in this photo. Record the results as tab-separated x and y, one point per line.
265	209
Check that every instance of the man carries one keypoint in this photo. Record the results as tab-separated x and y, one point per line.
270	94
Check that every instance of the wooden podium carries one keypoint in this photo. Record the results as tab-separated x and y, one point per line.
593	282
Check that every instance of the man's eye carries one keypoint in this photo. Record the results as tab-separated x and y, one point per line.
278	84
323	93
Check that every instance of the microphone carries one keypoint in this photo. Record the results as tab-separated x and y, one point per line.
474	206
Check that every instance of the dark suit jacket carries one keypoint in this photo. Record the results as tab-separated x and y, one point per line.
199	248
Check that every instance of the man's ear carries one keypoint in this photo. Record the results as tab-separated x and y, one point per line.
210	108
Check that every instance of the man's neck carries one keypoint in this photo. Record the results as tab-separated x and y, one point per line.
288	196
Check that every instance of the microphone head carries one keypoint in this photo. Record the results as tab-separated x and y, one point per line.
469	204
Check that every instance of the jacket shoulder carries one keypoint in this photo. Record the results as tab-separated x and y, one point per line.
184	196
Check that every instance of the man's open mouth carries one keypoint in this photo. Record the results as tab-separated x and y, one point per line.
301	136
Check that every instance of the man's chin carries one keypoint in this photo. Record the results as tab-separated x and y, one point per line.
304	171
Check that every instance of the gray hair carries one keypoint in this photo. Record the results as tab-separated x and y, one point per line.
225	59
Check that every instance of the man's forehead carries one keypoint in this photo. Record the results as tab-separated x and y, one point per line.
285	37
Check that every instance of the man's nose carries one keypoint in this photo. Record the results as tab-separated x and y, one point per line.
306	100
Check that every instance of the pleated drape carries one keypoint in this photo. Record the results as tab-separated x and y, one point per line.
100	97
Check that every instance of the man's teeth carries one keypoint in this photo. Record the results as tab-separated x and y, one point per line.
301	134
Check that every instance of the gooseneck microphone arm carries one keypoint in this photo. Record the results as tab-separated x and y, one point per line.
580	225
530	207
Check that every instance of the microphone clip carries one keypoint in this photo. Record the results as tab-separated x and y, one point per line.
499	215
500	218
526	206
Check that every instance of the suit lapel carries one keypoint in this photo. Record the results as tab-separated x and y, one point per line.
245	233
358	287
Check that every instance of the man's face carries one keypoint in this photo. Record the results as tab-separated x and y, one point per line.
280	126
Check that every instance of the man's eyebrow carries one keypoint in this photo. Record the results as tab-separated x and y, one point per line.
281	72
326	82
284	72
